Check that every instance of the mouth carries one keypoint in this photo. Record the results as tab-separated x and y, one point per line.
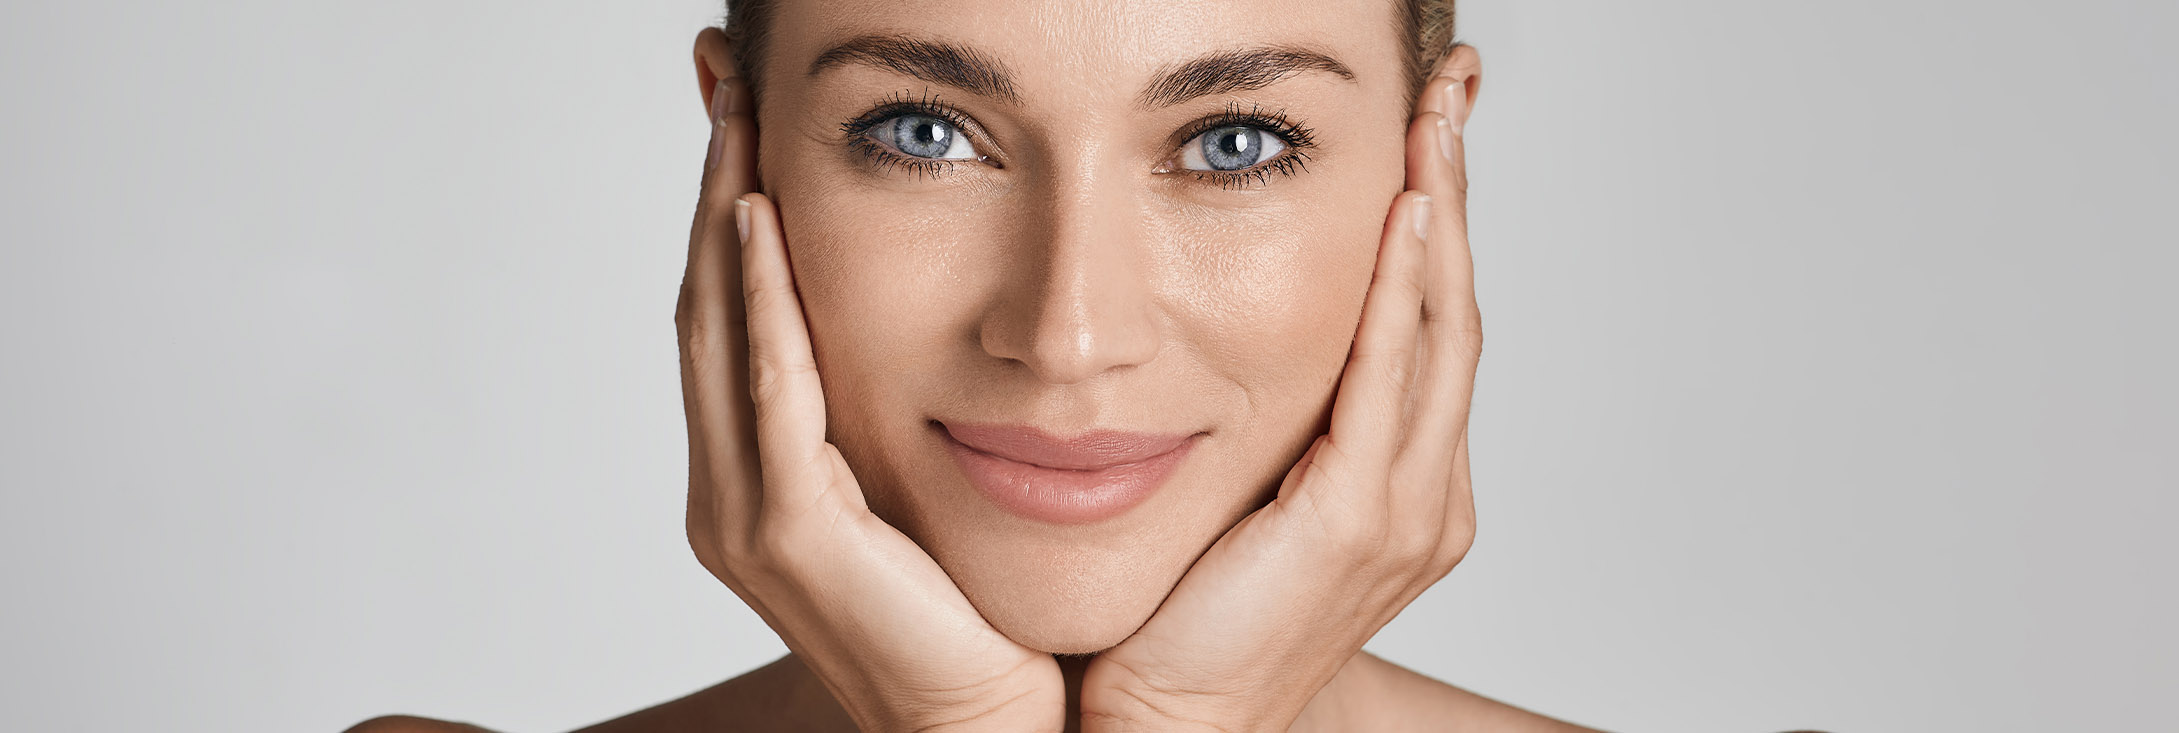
1090	477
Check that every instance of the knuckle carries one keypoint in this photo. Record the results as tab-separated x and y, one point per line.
1361	545
704	541
1409	544
1455	539
685	312
1394	366
772	545
764	382
1408	287
784	541
698	339
770	382
1464	335
700	360
1453	547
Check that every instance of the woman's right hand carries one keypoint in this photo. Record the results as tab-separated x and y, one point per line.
774	511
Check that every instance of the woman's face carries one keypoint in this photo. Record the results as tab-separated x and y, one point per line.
1015	222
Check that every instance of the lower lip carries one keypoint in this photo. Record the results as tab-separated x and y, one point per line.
1062	496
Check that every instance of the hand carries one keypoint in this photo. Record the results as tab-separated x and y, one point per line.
774	511
1374	513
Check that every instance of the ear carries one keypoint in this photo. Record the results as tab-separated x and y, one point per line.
714	61
1461	65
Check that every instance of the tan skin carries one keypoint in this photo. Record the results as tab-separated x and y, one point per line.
1320	326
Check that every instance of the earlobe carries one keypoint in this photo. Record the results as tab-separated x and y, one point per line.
714	61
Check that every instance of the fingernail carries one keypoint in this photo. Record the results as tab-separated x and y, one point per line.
722	99
1456	103
741	219
1445	138
735	104
1421	217
718	101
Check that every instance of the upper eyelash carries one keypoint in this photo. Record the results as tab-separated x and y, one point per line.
894	105
1275	122
1296	137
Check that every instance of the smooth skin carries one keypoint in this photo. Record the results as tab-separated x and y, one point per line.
1263	632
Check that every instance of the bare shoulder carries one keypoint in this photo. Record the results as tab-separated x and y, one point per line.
780	697
1399	698
411	724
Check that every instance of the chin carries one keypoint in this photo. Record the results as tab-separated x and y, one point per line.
1081	602
1061	588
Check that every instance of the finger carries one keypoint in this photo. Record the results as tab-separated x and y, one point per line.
1300	470
708	316
1459	527
730	167
1369	409
1437	165
1452	326
783	383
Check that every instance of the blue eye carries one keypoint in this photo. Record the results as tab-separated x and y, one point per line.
1230	148
924	136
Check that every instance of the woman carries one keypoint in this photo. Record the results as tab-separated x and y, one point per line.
1080	366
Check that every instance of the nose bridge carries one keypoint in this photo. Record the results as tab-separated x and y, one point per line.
1082	304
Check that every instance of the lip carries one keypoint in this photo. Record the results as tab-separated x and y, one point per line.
1094	476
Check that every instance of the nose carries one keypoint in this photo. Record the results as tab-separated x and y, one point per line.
1081	304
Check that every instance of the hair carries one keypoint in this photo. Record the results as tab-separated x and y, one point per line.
1426	26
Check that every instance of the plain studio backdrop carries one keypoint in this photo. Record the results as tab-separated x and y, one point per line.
1829	381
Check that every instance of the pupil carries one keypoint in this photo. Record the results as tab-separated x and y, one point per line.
1233	143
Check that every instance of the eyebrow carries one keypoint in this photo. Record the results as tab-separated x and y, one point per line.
1236	71
967	69
936	62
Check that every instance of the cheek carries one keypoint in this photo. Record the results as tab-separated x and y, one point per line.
875	289
1272	297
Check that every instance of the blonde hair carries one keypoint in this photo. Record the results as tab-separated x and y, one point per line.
1429	38
1426	27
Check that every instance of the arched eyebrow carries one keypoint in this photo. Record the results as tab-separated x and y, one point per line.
937	62
1236	71
976	72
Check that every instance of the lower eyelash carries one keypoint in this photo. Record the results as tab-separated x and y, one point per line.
1283	165
885	159
1297	138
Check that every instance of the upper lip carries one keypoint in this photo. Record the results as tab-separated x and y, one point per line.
1089	450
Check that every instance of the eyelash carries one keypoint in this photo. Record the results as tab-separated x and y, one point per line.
1298	140
878	155
882	157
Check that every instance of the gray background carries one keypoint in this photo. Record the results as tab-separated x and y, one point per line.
1829	378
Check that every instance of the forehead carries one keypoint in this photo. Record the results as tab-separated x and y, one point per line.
1097	48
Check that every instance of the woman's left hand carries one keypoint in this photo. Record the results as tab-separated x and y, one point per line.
1375	512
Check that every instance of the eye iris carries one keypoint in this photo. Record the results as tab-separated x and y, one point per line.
1233	148
922	136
